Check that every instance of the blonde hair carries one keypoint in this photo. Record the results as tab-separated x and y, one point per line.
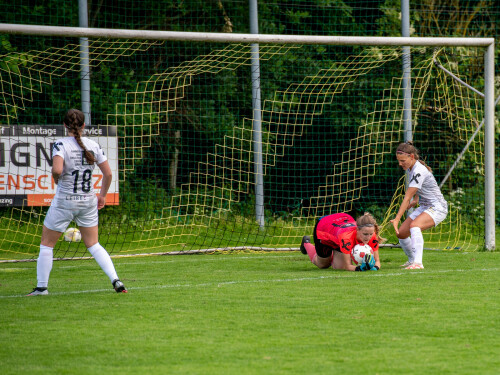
408	148
367	220
74	121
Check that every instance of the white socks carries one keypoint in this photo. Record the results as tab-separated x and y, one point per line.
103	259
417	242
44	266
407	247
44	263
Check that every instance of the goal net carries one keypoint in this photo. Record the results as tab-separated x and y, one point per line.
176	122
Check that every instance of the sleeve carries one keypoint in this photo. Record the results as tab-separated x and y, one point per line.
346	242
373	243
58	149
100	157
418	177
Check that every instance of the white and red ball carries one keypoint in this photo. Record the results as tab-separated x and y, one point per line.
358	253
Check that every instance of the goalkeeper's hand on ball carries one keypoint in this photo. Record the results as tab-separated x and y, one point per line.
369	260
367	264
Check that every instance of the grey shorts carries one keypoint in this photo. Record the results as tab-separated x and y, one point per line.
63	210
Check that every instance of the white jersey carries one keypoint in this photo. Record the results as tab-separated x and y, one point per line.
428	190
76	177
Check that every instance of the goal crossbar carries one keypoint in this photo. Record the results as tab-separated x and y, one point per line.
84	32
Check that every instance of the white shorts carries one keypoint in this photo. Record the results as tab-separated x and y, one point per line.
437	213
64	209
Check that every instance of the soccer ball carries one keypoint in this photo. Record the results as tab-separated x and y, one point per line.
72	235
358	253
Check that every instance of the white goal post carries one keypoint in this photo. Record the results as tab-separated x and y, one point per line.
489	72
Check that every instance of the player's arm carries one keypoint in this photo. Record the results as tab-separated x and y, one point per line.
107	176
57	167
410	192
413	202
344	263
342	258
377	259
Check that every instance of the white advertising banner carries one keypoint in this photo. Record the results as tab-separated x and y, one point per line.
26	163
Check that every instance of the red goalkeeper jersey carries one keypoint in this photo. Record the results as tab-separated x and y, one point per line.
340	231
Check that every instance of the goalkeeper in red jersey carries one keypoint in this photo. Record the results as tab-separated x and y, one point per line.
334	238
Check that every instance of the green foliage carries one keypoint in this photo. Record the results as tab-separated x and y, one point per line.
143	199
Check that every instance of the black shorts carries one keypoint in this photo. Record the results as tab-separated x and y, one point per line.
323	251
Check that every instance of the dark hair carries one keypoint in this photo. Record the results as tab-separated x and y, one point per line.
367	220
74	121
408	149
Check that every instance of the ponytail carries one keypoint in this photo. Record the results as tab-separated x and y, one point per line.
74	121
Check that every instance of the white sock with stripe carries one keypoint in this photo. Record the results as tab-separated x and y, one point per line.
104	260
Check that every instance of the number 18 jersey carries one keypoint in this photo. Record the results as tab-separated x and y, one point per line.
76	178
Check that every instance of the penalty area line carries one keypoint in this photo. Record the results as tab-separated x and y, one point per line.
266	281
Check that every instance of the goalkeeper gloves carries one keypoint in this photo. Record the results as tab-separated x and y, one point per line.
368	264
362	267
369	260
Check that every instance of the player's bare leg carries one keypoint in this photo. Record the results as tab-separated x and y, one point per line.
342	261
322	262
422	222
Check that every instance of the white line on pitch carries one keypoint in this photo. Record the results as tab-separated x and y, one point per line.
235	282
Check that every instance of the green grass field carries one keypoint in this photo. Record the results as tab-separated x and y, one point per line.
254	313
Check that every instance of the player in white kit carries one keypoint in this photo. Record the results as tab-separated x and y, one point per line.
423	190
73	161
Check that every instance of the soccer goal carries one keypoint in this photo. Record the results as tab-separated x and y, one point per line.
196	169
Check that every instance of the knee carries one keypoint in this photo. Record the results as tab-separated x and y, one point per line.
402	235
404	232
323	266
322	262
412	225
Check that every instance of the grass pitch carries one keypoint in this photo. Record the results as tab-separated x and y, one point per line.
254	313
